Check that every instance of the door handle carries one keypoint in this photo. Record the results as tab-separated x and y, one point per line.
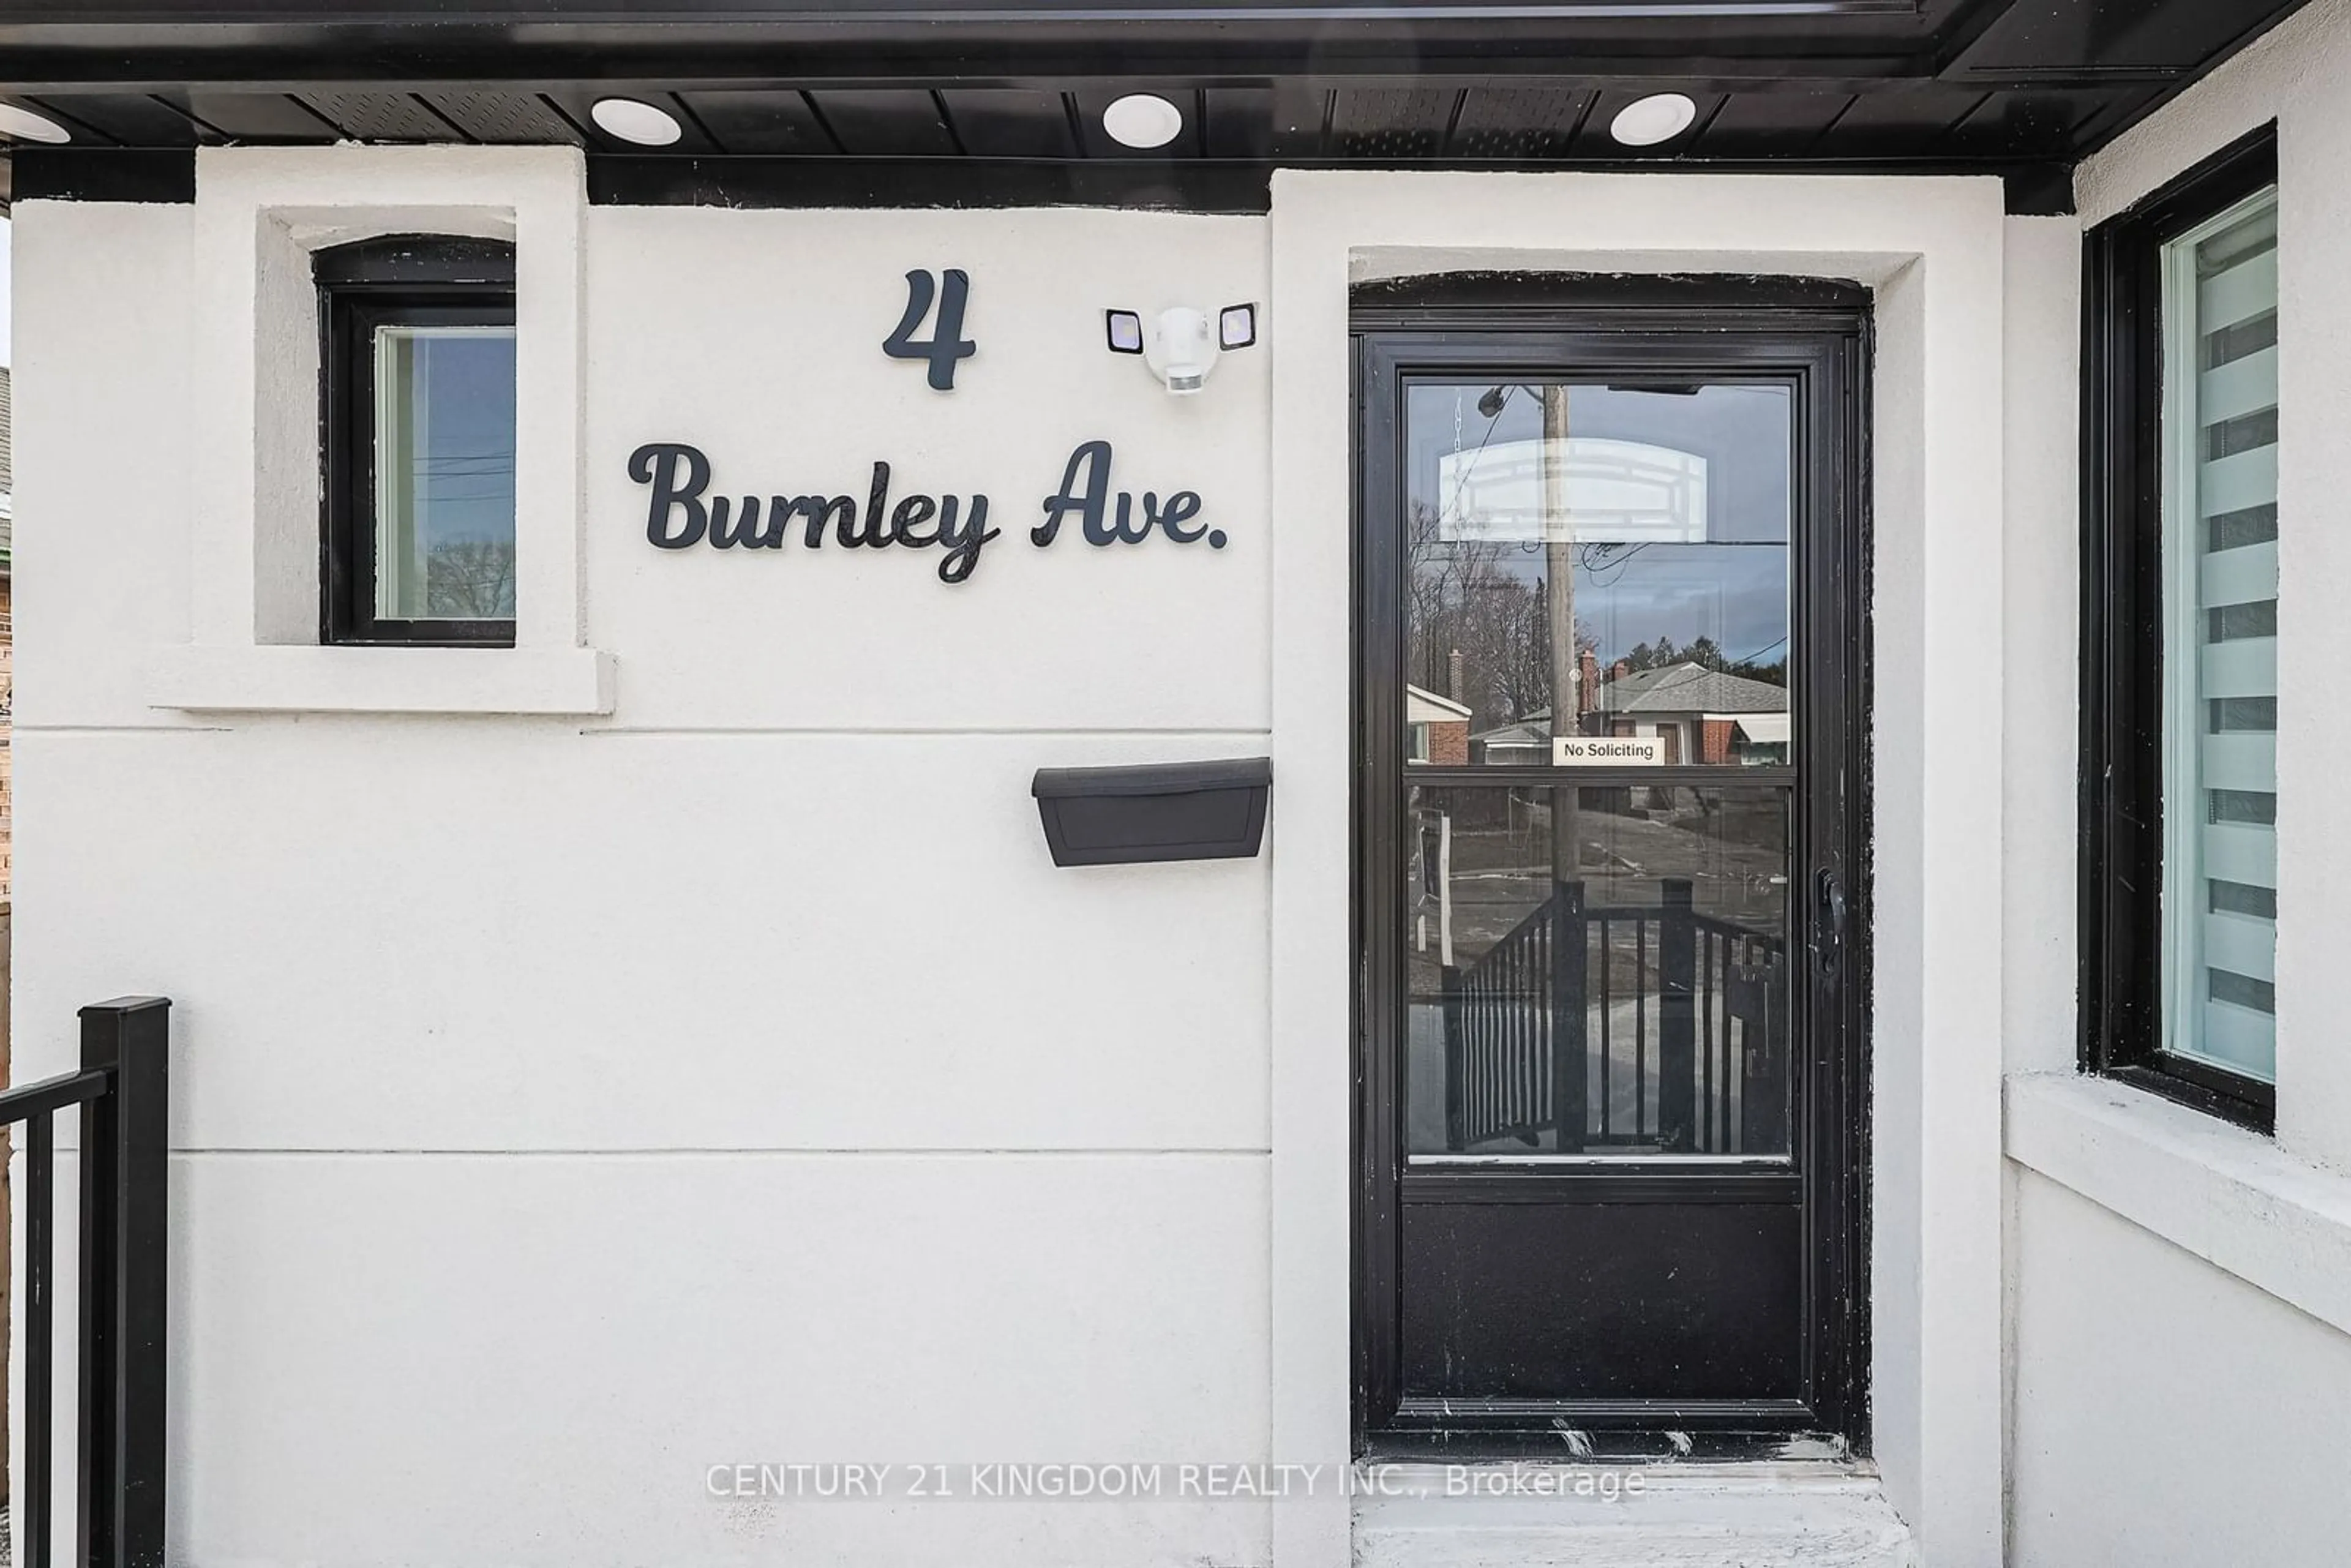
1830	890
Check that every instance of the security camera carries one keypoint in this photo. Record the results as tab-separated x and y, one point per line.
1179	345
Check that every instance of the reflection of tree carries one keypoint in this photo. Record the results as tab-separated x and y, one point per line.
1462	598
470	580
1704	653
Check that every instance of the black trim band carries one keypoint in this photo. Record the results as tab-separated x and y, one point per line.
1195	185
1205	186
100	175
629	180
2039	190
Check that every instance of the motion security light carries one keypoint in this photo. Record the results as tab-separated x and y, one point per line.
1178	344
1180	351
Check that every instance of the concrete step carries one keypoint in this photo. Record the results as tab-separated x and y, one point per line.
1671	1515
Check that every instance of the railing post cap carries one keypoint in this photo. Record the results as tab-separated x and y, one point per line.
126	1005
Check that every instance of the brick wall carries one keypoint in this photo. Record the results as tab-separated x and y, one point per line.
1449	744
7	707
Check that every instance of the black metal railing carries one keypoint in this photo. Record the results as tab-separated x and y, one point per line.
1742	1005
1504	1069
1536	1052
122	1088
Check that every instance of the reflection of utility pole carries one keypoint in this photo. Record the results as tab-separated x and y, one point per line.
1559	554
1445	888
1569	952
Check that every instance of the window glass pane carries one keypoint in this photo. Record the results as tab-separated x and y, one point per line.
1631	1004
2221	589
1654	522
445	473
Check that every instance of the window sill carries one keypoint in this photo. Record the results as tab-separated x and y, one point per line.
576	681
2231	1196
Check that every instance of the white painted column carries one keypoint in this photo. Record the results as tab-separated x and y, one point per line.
1933	251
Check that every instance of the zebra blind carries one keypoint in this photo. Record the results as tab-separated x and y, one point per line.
2220	432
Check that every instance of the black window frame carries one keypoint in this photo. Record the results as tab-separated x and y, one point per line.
433	280
2122	872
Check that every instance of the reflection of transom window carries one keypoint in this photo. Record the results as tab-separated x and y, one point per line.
1617	492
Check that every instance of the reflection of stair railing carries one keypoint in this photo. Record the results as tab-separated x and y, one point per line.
1620	1029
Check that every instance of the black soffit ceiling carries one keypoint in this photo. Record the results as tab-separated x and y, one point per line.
895	100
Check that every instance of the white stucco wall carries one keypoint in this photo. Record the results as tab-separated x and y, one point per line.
2181	1342
2170	1413
566	1106
567	1103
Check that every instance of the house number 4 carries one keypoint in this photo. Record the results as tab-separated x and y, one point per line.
947	343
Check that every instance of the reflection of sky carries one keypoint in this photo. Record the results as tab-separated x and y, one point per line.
464	405
1732	589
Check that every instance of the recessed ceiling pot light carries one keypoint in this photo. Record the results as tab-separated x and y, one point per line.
24	125
1143	119
1660	117
632	120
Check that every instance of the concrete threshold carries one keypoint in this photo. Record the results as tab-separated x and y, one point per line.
1500	1514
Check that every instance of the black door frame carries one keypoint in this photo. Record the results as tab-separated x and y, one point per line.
1818	335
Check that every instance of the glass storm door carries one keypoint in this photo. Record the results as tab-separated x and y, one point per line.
1609	799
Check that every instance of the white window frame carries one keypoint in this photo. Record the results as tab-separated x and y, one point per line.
253	574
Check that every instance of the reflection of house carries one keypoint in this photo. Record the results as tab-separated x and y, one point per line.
1435	728
1525	743
1702	715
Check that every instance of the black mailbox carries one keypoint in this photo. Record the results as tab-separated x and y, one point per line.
1161	811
